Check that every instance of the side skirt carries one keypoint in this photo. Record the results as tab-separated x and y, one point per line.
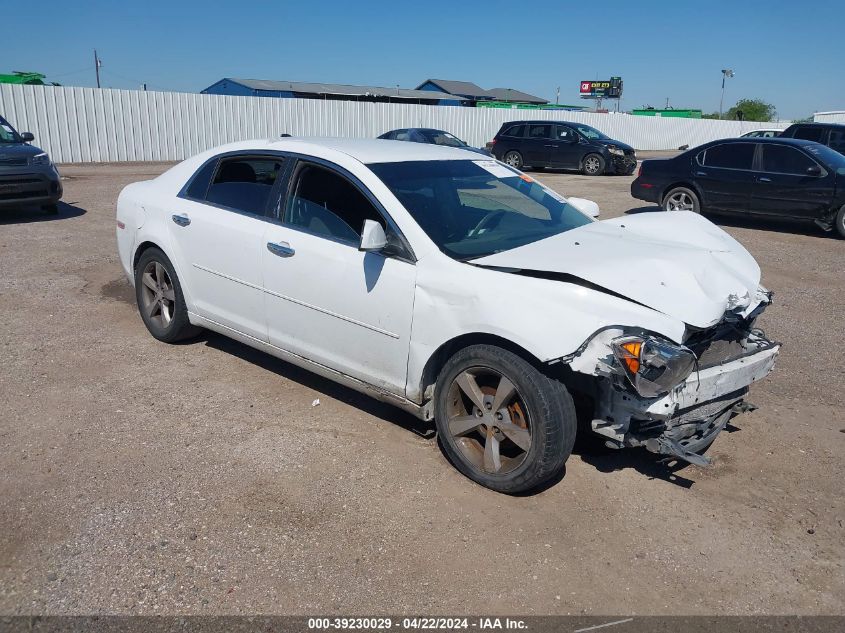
316	368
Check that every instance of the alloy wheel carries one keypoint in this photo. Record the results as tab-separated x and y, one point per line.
592	165
157	297
513	159
679	201
488	420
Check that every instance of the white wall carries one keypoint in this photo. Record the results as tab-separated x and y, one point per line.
90	124
829	117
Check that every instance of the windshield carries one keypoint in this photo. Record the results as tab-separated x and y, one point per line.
474	208
444	138
590	132
833	159
7	132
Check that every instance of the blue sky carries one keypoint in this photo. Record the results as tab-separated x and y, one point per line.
788	53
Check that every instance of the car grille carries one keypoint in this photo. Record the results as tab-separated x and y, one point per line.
12	162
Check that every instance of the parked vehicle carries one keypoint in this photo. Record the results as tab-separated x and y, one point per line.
439	281
430	135
27	175
766	177
830	134
540	144
762	133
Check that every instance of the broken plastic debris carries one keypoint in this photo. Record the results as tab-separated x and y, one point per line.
316	403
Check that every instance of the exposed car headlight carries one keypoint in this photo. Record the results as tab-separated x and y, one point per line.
616	150
40	159
653	366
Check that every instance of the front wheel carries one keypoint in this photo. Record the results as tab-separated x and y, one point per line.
839	222
160	299
514	159
681	199
593	165
501	422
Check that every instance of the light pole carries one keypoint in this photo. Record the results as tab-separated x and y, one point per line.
726	72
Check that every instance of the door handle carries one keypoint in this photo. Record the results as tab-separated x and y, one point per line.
764	179
181	219
701	173
282	249
551	145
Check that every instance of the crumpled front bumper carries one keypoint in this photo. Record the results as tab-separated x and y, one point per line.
689	417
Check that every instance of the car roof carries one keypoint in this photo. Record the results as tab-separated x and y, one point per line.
777	140
365	150
533	121
819	124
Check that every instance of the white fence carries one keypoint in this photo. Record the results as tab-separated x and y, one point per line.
829	117
90	124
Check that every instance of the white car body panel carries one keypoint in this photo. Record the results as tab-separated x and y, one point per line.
375	322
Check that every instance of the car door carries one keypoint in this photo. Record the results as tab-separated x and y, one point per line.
326	300
537	144
218	225
791	183
566	152
725	177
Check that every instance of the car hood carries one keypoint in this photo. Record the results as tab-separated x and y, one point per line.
679	263
613	143
17	150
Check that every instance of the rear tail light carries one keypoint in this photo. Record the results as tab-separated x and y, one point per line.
640	171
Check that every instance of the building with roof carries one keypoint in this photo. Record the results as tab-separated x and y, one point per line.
337	92
473	93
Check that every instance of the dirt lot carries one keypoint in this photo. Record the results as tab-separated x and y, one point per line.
137	477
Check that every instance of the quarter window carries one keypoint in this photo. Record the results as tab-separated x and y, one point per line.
837	140
324	203
244	183
781	159
729	156
809	134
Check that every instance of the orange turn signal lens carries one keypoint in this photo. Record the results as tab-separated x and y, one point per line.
633	361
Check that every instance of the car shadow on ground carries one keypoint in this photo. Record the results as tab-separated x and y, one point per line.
326	387
775	225
607	460
27	215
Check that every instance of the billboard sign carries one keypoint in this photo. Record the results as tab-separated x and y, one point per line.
604	89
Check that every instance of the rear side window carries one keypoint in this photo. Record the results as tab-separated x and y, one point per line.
516	131
728	156
837	140
198	186
325	203
402	135
781	159
540	131
809	134
244	183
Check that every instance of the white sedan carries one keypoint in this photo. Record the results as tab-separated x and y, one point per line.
458	289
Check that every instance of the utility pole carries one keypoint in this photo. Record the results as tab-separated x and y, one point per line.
557	96
726	72
97	64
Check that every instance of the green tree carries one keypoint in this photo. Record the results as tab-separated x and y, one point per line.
752	110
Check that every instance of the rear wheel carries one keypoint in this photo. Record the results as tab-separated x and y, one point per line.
501	422
514	159
593	165
160	299
681	199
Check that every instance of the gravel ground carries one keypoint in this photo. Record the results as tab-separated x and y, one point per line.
137	477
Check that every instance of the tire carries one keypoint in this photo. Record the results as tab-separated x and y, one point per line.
593	165
51	209
160	299
681	199
839	222
513	158
538	412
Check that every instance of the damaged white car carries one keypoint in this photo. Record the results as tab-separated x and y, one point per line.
458	289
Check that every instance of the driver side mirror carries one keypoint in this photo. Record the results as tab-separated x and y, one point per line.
26	137
373	237
585	206
814	170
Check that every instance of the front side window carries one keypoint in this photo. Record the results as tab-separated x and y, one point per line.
402	135
591	133
327	204
565	133
809	134
7	132
244	183
471	209
837	140
540	131
729	156
781	159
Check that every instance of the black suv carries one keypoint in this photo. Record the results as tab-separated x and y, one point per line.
562	144
830	134
27	175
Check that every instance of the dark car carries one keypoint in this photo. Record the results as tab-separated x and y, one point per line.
27	175
562	144
763	177
830	134
429	135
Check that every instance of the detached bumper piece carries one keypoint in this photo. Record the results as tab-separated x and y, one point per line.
687	420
